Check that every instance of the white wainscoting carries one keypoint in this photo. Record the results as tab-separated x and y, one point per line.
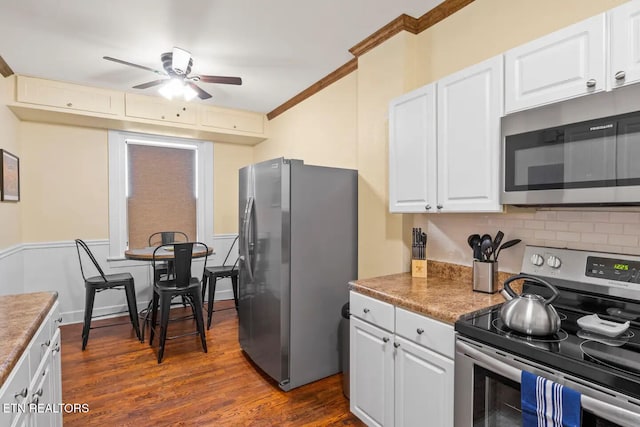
53	266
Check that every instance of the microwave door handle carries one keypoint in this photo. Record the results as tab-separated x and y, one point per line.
599	408
608	412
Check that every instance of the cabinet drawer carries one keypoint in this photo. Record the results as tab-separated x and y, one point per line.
39	345
425	331
372	310
66	95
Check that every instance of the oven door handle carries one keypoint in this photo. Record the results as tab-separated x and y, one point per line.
604	410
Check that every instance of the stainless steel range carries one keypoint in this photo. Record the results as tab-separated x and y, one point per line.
598	357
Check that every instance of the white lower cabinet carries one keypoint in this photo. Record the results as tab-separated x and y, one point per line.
396	379
32	394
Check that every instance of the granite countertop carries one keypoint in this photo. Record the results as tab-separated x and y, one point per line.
20	318
446	293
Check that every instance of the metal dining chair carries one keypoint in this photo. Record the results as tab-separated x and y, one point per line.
104	282
213	273
182	284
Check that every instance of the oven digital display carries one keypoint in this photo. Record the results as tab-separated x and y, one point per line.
613	269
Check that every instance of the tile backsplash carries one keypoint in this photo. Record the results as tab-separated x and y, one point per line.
613	230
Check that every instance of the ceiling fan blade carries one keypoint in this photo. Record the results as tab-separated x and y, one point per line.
201	93
5	70
131	64
150	84
220	79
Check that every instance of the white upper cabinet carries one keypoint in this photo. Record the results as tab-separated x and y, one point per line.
565	64
469	111
412	151
625	44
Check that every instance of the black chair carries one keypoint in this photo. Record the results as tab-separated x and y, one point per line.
101	283
212	274
164	238
180	283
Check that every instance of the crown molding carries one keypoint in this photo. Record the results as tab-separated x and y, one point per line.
401	23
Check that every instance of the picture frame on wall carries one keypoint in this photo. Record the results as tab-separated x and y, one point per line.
9	177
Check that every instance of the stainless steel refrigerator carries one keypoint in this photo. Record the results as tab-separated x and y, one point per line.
298	250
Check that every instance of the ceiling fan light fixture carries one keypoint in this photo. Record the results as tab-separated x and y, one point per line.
180	60
173	88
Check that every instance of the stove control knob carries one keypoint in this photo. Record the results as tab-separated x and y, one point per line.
537	260
553	261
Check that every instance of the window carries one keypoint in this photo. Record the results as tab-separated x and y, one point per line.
158	183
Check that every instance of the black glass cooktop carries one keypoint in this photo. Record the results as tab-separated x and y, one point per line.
611	362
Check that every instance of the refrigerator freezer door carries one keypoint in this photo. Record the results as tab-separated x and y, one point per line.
264	269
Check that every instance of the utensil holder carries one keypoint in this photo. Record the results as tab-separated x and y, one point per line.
485	276
419	268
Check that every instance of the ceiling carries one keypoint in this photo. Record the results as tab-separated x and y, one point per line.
278	47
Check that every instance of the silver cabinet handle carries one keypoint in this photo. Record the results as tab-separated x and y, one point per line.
59	319
439	206
38	392
385	339
21	393
56	349
46	343
396	344
428	207
366	310
591	83
420	331
620	75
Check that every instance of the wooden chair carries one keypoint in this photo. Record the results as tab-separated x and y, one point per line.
212	274
181	283
104	282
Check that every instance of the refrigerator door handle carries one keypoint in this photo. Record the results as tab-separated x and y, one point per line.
246	225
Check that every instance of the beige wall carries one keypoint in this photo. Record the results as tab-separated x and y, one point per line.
320	130
65	183
227	159
10	212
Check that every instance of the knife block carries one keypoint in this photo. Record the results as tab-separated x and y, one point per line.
419	268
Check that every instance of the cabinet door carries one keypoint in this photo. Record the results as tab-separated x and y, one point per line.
69	96
625	44
469	110
243	121
154	108
371	371
562	65
424	386
41	393
56	377
412	152
14	392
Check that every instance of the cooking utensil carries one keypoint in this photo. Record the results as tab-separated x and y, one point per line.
485	246
474	242
496	242
507	245
529	314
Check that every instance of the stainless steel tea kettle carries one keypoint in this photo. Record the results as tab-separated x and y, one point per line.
529	313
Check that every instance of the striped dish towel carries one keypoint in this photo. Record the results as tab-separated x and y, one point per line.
548	404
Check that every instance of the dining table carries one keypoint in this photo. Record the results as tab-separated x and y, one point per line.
165	253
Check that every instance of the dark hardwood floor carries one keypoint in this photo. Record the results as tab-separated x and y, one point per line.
123	385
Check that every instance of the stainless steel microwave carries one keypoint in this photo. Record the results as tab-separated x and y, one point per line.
594	162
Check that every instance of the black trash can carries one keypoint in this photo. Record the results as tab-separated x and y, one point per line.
344	349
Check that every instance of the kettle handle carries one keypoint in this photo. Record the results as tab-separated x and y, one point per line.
534	279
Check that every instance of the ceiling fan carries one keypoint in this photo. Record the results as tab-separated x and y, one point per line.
177	66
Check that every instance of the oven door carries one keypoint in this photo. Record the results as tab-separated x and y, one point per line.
487	391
